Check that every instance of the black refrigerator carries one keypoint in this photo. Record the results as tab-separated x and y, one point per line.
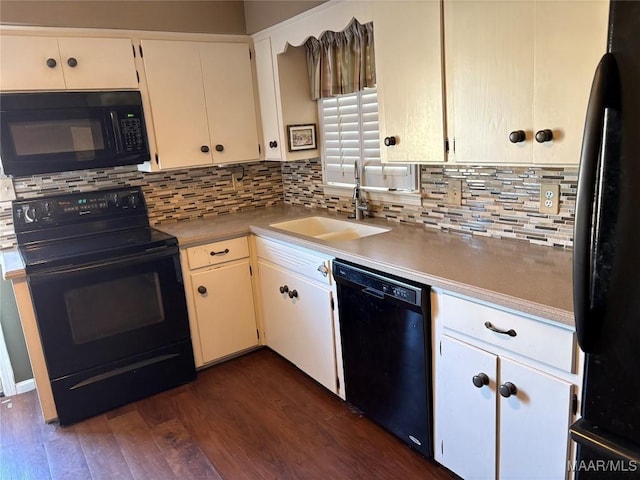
606	259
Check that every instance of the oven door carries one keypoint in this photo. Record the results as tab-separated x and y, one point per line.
93	314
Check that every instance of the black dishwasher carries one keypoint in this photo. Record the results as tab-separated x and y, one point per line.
386	330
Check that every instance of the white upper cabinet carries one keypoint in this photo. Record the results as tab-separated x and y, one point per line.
272	144
59	63
408	50
202	102
517	69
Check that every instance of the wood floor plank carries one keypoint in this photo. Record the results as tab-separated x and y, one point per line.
139	448
182	453
101	450
253	417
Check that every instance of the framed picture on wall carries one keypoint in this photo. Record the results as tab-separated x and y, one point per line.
301	137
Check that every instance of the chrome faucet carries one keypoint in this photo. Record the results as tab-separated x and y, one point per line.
360	205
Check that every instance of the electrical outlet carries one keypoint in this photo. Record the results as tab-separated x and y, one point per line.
237	181
550	199
454	192
7	193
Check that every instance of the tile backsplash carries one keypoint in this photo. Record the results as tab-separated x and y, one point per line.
171	196
500	202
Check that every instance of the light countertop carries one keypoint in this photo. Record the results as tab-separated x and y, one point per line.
528	278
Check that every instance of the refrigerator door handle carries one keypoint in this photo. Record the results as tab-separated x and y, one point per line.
588	307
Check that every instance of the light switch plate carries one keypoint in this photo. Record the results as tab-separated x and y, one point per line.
454	192
550	198
7	193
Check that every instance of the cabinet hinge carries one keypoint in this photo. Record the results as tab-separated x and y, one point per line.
333	304
259	149
574	404
442	447
250	271
446	145
338	383
250	56
140	49
133	47
258	333
157	160
138	76
440	347
454	145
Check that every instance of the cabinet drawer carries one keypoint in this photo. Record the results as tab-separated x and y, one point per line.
540	341
217	252
300	260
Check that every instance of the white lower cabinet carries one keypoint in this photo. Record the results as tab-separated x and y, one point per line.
220	299
297	309
497	415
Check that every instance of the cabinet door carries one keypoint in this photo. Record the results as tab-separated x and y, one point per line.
225	312
301	328
570	38
268	102
465	417
489	62
102	63
23	63
408	47
174	79
231	109
534	424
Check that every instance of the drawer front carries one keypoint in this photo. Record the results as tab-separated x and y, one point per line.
300	260
217	252
540	341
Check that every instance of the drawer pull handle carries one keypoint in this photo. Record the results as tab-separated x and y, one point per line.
511	332
507	389
223	252
480	380
293	294
284	289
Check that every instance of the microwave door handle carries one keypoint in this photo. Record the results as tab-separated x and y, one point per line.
117	135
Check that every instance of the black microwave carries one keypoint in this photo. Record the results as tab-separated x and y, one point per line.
45	132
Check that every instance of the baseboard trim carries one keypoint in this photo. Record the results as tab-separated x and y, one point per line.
25	386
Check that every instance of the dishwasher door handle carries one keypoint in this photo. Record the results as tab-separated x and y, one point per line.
373	292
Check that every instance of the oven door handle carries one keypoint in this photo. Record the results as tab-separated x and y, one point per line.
136	259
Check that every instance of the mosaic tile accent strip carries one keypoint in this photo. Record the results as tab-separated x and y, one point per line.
171	196
499	202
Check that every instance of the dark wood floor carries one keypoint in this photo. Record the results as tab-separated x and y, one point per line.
254	417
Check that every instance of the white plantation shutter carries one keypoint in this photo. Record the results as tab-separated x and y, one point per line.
350	133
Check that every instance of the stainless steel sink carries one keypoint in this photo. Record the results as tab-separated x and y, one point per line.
329	228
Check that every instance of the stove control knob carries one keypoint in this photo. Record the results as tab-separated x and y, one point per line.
114	198
32	214
47	207
133	200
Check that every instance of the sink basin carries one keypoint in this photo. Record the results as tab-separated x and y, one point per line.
329	228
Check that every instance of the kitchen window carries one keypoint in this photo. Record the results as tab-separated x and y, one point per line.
349	133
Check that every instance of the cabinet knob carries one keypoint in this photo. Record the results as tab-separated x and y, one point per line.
323	269
507	389
284	289
204	149
390	141
517	136
543	136
273	144
51	62
72	62
219	148
293	294
480	380
202	290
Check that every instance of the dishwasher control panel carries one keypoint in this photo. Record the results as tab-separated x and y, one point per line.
379	283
